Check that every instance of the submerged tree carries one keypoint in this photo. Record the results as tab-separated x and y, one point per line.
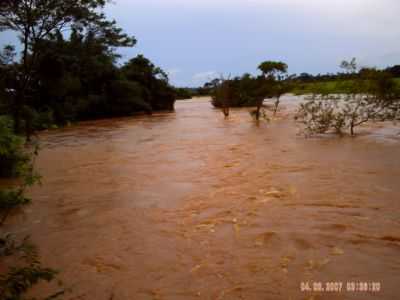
251	91
222	95
275	86
372	97
280	87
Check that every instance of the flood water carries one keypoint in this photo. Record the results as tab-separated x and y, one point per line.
190	205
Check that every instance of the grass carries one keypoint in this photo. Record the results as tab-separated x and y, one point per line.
328	87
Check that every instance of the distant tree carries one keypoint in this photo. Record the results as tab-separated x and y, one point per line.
183	93
395	71
245	91
273	69
305	77
349	66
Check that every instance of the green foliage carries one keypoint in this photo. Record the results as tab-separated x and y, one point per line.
14	161
12	155
183	93
61	80
272	68
160	95
77	79
127	97
245	91
372	97
251	91
19	280
20	266
321	114
44	119
223	96
11	200
343	83
323	87
37	19
45	77
24	268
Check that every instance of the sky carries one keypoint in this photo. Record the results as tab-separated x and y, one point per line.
198	40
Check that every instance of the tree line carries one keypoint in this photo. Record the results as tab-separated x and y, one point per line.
68	70
248	90
371	95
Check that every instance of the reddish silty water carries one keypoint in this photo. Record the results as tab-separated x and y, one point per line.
190	205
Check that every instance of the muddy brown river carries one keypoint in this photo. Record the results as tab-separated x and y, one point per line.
190	205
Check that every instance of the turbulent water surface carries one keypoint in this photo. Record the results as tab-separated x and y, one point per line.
190	205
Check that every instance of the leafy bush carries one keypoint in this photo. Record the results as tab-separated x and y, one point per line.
44	119
24	269
10	200
20	265
12	155
183	93
373	97
245	91
126	97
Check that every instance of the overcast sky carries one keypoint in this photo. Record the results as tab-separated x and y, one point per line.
195	40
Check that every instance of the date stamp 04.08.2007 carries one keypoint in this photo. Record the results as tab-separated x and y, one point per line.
338	287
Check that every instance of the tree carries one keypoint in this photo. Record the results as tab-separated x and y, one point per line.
37	20
273	73
7	74
395	71
349	66
273	69
223	93
280	88
160	95
250	91
373	97
70	74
